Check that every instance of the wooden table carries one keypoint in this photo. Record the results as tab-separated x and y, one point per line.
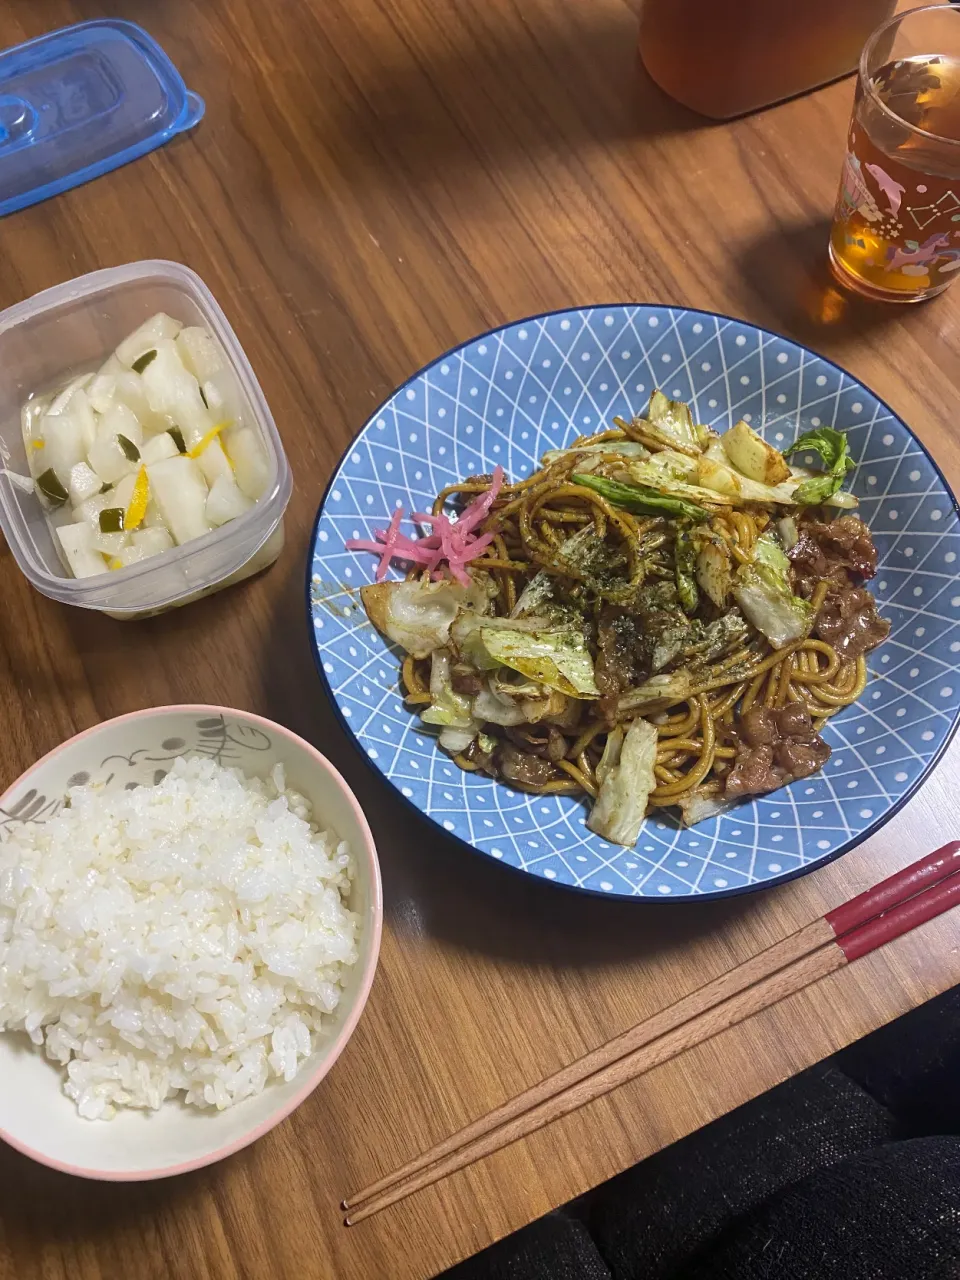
375	181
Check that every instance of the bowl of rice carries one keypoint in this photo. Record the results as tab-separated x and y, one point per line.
190	917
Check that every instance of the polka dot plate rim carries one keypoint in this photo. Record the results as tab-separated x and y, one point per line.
509	394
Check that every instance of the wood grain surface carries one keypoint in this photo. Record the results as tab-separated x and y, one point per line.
375	181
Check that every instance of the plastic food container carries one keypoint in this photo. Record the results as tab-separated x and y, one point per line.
72	328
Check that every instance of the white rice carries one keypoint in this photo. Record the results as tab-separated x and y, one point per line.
188	937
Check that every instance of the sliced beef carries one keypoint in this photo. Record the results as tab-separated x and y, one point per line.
837	551
758	727
848	620
542	740
608	708
798	758
792	721
847	541
482	758
465	679
810	565
774	748
840	553
618	645
752	773
524	769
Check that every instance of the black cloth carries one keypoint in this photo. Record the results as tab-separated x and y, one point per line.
650	1220
912	1066
888	1214
850	1171
553	1248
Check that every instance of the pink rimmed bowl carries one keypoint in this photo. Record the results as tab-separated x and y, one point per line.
36	1117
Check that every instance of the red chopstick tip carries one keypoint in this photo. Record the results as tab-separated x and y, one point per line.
898	920
920	875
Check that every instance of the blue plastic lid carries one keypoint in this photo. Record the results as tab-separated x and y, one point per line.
81	101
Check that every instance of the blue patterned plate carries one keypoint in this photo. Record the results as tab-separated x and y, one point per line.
510	395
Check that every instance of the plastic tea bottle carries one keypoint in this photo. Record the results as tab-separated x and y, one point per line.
727	57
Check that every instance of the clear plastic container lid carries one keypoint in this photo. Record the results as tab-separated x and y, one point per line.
83	100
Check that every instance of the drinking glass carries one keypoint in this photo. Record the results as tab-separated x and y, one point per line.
896	229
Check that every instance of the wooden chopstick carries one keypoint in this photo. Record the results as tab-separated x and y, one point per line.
890	908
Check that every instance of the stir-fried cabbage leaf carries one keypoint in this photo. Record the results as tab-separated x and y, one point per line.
720	637
763	592
662	472
770	557
811	493
696	807
456	740
465	635
695	644
750	454
718	471
493	707
668	464
622	448
416	615
668	424
781	618
538	593
657	694
714	566
682	642
447	707
674	419
788	531
626	776
558	659
834	451
718	477
831	445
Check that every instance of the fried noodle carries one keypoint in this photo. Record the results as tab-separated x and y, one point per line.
531	520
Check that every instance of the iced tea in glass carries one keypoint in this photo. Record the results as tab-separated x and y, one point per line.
896	229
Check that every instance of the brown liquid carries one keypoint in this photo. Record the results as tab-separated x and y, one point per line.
725	57
897	223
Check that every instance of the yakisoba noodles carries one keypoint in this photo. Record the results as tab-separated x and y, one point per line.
658	616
